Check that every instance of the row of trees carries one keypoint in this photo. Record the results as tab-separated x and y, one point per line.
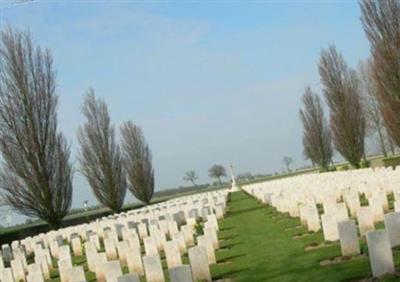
367	100
216	172
37	173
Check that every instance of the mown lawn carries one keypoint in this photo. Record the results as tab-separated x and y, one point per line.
260	244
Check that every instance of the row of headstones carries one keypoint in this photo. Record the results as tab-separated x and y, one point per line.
114	224
200	257
315	187
152	243
337	226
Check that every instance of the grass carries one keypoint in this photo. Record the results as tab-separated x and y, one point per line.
258	244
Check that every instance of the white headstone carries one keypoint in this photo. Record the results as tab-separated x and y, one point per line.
180	274
348	238
76	246
7	276
329	227
380	253
132	277
172	254
205	241
110	249
392	226
153	268
365	220
150	246
76	274
63	266
112	270
199	264
134	261
18	270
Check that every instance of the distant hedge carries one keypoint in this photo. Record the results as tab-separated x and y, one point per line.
392	161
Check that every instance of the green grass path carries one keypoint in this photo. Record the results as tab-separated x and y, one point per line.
258	244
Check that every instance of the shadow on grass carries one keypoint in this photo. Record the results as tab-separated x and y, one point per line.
245	210
229	274
226	228
227	237
231	244
234	200
231	257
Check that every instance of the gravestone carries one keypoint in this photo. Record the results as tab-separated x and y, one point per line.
392	226
172	254
348	238
188	234
153	268
112	270
18	270
132	277
110	249
380	253
63	266
7	276
312	218
142	229
212	233
42	261
180	274
376	207
397	206
76	246
100	259
365	220
7	253
329	227
150	246
76	274
134	261
35	277
180	239
205	241
122	247
35	268
199	264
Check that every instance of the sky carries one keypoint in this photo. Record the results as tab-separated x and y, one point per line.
208	81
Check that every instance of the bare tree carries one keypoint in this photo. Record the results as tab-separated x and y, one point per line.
342	92
138	164
217	171
191	176
287	161
375	123
100	156
317	141
381	22
36	178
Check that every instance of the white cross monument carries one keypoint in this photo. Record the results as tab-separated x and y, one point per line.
235	186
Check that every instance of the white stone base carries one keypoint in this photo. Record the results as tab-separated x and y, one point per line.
234	188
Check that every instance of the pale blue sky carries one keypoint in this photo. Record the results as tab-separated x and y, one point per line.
209	81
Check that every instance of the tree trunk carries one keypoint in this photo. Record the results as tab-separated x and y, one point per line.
391	144
382	142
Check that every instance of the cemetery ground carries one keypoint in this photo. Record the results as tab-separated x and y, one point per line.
260	244
257	243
